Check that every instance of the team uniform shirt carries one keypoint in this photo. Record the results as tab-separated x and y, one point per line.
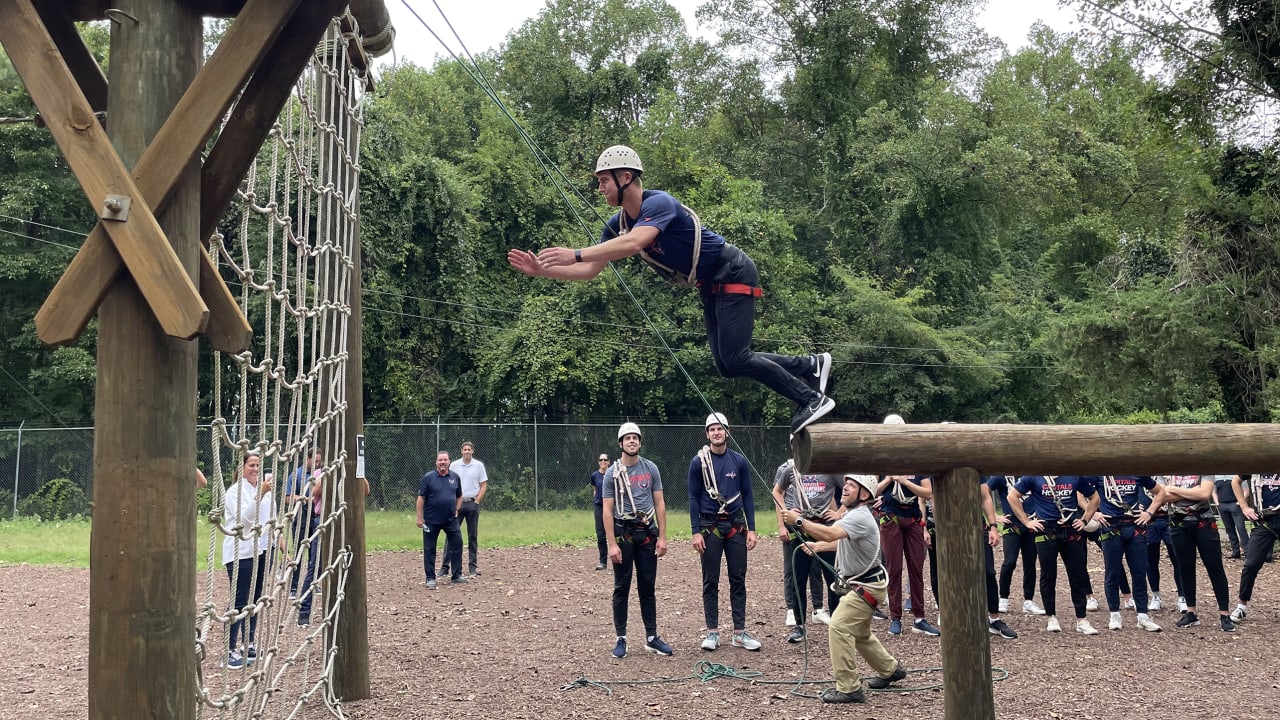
243	507
673	246
999	486
900	501
859	553
1038	493
1265	492
1124	495
597	482
644	480
732	478
810	492
471	474
1186	508
439	495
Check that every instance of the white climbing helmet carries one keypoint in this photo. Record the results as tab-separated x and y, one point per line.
867	481
619	157
629	428
716	418
894	419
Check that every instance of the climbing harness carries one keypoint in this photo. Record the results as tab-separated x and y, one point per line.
689	279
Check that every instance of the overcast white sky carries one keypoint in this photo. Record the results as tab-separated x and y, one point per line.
483	24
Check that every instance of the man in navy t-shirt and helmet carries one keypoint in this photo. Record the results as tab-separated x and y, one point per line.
669	237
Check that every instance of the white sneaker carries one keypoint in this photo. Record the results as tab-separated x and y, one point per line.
1031	608
1144	622
1053	625
821	615
711	641
1182	604
744	640
1114	623
791	617
1091	604
1156	603
1239	614
1084	628
1129	604
1004	605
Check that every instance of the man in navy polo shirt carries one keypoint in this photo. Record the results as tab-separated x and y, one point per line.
439	497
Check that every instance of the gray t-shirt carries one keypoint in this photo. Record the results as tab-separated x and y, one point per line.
818	490
860	552
644	479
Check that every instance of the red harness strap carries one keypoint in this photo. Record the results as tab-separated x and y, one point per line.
735	289
866	595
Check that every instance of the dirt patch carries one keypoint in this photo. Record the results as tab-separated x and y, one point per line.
539	618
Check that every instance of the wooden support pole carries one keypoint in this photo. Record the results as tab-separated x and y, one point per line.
142	576
1038	449
966	645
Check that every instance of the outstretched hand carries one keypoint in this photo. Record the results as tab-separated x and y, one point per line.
524	261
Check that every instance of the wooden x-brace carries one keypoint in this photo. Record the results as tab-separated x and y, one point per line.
137	242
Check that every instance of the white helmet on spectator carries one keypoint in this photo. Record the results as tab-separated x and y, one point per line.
629	428
716	418
619	157
894	419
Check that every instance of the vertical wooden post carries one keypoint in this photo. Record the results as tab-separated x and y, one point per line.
966	646
142	577
351	664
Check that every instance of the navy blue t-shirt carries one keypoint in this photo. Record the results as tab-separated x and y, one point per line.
439	495
1121	490
1038	496
999	486
900	500
1267	489
674	245
733	477
597	480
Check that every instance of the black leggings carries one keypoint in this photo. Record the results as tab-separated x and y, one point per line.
1018	543
1261	542
1069	545
1190	537
803	569
242	574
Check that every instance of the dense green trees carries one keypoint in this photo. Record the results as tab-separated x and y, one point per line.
1057	234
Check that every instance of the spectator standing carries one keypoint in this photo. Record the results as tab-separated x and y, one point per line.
300	493
1017	543
1230	514
597	504
247	508
1259	499
722	517
439	498
475	483
816	499
1060	507
1194	527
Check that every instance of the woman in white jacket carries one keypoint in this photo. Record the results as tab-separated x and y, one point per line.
246	512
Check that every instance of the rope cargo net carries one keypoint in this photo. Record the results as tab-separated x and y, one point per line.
287	244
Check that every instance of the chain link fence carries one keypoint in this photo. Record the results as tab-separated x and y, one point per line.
531	466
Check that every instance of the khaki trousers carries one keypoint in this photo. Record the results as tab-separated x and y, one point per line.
850	635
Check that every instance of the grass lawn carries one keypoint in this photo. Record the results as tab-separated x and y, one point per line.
67	542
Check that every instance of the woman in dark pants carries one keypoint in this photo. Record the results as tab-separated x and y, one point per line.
1194	527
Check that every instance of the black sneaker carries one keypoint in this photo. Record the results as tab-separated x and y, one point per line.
1188	619
811	413
879	683
656	645
1227	624
999	627
459	580
832	695
796	635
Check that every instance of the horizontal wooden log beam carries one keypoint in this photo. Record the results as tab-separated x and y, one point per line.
1038	449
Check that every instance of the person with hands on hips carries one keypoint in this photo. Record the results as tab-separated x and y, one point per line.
1060	506
637	537
723	519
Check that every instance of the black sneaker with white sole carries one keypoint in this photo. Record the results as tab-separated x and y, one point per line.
811	413
820	377
999	627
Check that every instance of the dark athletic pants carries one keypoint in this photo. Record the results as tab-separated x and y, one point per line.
452	547
602	542
1261	542
803	568
1018	542
730	321
1200	536
1068	544
1124	542
734	552
639	555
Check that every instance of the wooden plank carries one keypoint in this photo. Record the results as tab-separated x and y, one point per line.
76	296
140	242
75	53
142	576
966	644
1038	449
83	10
259	105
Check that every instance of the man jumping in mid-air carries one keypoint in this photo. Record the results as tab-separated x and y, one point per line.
670	238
